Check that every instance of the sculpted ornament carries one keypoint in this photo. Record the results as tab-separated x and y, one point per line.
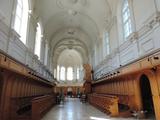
63	4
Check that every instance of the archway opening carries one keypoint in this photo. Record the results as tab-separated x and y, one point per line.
69	92
69	66
146	94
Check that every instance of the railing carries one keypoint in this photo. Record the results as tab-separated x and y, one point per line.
148	61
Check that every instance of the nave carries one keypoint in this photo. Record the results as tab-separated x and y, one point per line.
105	50
73	109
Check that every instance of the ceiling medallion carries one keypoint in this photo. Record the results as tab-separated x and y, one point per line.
69	3
72	12
73	1
71	31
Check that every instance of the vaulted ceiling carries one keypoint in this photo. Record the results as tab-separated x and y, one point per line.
73	24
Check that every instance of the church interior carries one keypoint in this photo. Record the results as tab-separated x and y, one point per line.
79	59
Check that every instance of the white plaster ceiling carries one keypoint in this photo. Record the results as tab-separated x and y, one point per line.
70	44
70	58
82	21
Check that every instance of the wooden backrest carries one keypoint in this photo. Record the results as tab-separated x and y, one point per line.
106	103
1	88
40	105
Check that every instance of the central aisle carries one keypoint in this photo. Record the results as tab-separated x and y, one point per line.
73	109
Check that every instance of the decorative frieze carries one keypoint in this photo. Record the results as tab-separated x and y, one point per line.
150	24
33	20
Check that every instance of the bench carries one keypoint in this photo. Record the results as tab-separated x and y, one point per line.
83	98
105	103
21	108
41	105
30	108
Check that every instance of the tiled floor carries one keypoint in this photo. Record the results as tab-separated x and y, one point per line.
73	109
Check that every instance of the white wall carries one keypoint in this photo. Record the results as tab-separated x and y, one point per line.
143	9
143	40
10	41
6	10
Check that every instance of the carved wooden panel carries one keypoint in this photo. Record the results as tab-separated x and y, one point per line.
19	81
87	72
106	103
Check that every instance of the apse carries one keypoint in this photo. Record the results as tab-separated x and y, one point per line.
69	66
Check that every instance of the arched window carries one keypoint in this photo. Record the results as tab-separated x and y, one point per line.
21	19
55	73
58	72
106	46
126	15
62	73
96	56
38	41
77	73
70	73
46	54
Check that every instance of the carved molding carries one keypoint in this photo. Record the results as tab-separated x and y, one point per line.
2	18
4	28
150	24
33	20
25	55
65	4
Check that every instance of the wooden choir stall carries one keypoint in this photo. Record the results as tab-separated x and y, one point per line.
24	94
133	90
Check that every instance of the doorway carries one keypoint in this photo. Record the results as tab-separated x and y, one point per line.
69	92
146	95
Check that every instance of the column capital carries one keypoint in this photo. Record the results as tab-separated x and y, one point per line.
33	20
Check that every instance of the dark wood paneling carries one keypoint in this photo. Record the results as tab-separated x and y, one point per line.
21	83
106	103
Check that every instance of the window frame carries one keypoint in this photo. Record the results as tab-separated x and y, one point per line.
78	73
17	15
58	72
106	44
46	54
63	73
20	22
126	20
70	74
38	41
